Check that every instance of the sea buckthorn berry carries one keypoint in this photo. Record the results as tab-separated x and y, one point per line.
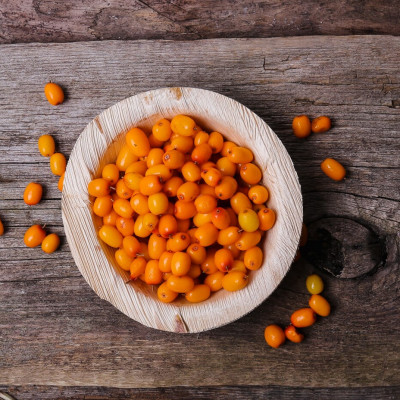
171	209
132	180
172	185
212	176
46	145
140	167
123	259
223	260
184	209
165	294
33	193
191	172
321	124
232	216
208	265
201	219
258	194
156	246
110	218
234	250
293	334
227	167
182	143
139	204
125	158
253	258
200	138
60	183
99	187
1	228
228	235
154	142
180	263
207	165
150	185
137	142
191	233
214	281
267	218
205	203
165	261
226	188
183	125
158	203
58	163
197	253
207	234
54	93
240	155
178	242
216	142
50	243
240	202
125	226
155	157
122	190
102	206
140	229
110	235
150	221
180	284
301	126
201	153
303	236
183	225
138	267
174	159
227	148
34	236
144	251
250	173
333	169
131	245
314	284
194	271
319	305
274	336
188	191
238	265
110	173
234	280
166	275
248	220
123	208
167	226
198	293
152	274
205	189
162	130
248	240
220	218
303	318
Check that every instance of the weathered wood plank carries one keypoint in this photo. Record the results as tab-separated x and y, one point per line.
56	331
58	21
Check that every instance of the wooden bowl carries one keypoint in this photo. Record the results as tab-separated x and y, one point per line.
99	144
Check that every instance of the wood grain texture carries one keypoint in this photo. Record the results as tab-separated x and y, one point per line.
100	143
56	331
60	21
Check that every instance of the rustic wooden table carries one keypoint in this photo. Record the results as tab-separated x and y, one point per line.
58	340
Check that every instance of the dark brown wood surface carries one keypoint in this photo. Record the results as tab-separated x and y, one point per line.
54	331
77	20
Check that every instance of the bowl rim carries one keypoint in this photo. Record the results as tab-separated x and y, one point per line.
85	159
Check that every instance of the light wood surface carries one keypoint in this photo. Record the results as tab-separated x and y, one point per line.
56	331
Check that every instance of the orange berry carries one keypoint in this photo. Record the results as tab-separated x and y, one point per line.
99	187
194	271
216	142
211	176
197	253
205	189
165	294
165	261
46	145
214	281
58	164
54	94
184	209
248	220
150	221
110	235
138	267
258	194
50	243
227	167
250	173
220	218
150	185
180	284
34	236
155	157
140	228
33	193
60	183
139	204
154	142
123	259
200	138
131	245
122	189
172	185
140	167
125	158
125	226
158	203
198	294
188	191
320	124
267	218
333	169
167	226
201	153
301	126
152	274
238	265
191	172
206	234
223	260
183	125
123	208
180	263
178	242
205	203
1	228
234	280
229	235
240	155
303	318
174	159
293	335
253	258
162	130
156	246
137	142
110	218
182	143
233	217
240	202
274	336
201	219
234	250
102	206
227	148
110	173
248	240
208	265
319	305
226	188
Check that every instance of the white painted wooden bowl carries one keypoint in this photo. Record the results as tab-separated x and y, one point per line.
99	144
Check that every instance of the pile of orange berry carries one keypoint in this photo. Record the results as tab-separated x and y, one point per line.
184	209
36	235
302	318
